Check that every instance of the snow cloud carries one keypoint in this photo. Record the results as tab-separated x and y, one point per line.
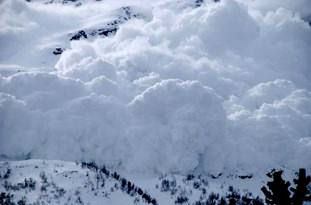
222	86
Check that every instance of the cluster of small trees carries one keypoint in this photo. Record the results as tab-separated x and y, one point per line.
126	185
277	191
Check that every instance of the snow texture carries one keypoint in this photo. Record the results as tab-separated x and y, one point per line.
60	182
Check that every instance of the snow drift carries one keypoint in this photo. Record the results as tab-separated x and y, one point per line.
221	86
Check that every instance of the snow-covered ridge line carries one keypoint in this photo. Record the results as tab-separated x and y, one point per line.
50	182
107	29
59	182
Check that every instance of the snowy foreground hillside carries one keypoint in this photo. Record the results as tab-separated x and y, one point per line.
171	88
58	182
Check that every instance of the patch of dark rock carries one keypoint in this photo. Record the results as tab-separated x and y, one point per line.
198	3
246	176
125	13
58	51
77	36
216	176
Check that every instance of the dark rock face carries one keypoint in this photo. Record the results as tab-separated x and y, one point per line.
58	51
108	29
104	32
246	176
198	3
77	36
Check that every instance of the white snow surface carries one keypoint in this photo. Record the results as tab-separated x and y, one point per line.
69	183
224	86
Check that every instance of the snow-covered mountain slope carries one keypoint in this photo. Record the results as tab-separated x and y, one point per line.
58	182
168	86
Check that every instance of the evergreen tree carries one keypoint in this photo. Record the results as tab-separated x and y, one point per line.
301	192
277	192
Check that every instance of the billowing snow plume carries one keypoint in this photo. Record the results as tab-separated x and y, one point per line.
212	87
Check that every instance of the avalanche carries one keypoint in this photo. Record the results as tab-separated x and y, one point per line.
175	87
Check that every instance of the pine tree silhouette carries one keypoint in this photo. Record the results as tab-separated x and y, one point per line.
277	192
301	192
